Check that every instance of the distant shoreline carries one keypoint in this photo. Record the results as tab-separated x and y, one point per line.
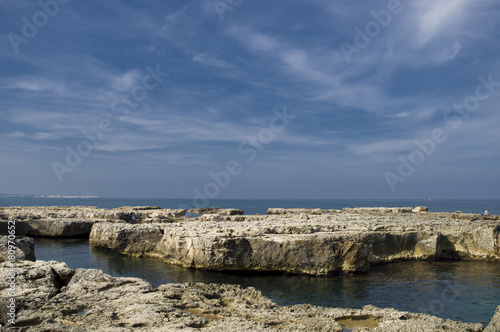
44	196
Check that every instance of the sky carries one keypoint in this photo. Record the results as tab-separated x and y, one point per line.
210	99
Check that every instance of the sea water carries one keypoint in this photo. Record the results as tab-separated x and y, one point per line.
253	206
467	291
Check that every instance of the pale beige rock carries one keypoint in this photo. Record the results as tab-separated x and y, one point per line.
421	209
24	248
494	325
210	217
74	221
89	300
320	245
216	210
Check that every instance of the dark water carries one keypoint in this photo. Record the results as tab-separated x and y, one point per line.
465	291
261	206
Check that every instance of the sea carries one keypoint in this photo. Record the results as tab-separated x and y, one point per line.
467	291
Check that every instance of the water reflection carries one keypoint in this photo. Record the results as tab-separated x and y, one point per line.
466	291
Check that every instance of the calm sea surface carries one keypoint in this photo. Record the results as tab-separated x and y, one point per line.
261	205
465	291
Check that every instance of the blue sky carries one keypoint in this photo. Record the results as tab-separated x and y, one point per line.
250	99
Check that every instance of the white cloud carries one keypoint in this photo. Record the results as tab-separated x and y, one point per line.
210	59
16	134
448	53
437	17
391	146
125	81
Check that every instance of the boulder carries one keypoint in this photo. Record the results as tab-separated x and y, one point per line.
494	325
420	209
25	248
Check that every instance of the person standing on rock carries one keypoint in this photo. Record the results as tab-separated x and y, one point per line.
132	216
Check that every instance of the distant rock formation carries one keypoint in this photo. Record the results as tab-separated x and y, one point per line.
52	297
216	210
73	221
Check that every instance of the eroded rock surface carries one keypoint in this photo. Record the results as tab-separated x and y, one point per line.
317	244
494	325
52	297
73	221
24	248
216	210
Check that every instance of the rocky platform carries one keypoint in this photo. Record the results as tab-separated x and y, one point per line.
52	297
298	241
73	221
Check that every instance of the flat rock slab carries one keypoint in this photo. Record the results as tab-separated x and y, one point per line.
309	244
75	221
52	297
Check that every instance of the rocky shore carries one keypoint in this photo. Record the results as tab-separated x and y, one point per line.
52	297
306	241
314	241
72	221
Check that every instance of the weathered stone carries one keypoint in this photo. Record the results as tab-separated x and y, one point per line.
135	240
320	245
421	209
75	221
494	325
60	228
211	217
24	248
297	211
378	210
90	300
216	210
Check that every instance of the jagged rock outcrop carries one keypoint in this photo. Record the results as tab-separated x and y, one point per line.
317	245
24	248
494	325
216	210
73	221
52	297
300	211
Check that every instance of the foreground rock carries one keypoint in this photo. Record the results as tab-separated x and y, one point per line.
24	249
52	297
73	221
494	325
312	244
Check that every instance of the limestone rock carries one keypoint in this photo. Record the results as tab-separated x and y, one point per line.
321	245
296	211
91	300
216	210
136	240
25	248
421	209
494	325
75	221
377	210
211	217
